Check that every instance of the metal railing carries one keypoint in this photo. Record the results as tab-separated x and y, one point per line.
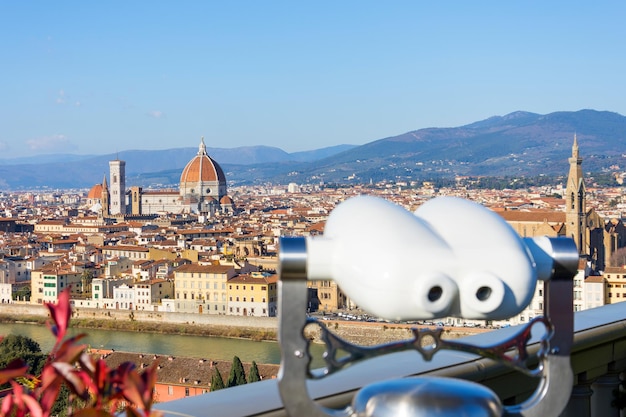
598	358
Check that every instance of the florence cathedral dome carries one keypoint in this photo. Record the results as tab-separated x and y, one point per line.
203	182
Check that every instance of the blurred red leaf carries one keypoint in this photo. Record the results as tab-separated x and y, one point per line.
48	397
15	368
7	404
60	313
70	376
33	406
69	351
139	388
103	389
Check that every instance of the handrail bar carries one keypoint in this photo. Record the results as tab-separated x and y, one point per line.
594	329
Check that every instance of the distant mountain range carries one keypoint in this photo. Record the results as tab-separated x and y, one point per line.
518	144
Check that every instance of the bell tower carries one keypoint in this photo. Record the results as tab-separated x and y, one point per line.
575	209
104	200
117	171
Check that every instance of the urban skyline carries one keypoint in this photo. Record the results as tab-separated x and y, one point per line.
294	76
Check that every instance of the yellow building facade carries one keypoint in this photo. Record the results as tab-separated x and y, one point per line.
615	278
253	294
202	288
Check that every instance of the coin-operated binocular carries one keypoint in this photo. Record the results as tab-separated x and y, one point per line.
465	262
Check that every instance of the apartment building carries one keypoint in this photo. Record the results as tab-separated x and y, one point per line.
253	294
202	288
329	295
615	278
48	282
595	292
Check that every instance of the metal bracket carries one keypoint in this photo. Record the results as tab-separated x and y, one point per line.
550	363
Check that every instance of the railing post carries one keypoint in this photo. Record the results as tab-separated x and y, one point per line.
579	404
604	389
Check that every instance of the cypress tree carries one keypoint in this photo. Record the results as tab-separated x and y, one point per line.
237	374
217	382
254	376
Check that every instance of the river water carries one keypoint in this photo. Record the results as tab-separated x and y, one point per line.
215	348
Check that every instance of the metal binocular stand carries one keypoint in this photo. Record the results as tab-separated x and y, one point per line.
465	261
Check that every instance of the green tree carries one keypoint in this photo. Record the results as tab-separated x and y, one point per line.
217	382
23	293
18	346
22	347
85	281
254	376
237	374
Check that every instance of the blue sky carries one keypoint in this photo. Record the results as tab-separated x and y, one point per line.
101	77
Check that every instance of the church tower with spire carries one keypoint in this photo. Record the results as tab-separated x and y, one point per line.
575	210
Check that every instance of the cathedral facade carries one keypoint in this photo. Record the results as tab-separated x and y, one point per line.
202	191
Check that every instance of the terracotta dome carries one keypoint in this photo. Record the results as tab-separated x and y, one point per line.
226	200
95	192
202	169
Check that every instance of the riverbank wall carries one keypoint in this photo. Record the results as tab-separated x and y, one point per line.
256	328
24	310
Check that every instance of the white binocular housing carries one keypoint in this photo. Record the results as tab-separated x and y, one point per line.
450	258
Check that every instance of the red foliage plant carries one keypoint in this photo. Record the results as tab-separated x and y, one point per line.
103	391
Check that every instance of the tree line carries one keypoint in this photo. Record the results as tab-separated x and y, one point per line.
236	377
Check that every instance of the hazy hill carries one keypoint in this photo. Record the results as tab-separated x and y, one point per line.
517	144
155	167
